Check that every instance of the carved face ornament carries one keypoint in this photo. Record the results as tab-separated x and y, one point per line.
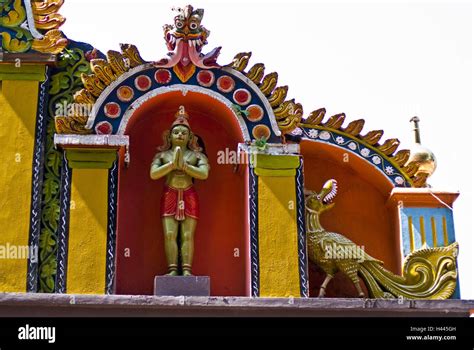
188	22
187	26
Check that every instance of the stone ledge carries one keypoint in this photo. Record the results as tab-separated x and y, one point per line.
65	305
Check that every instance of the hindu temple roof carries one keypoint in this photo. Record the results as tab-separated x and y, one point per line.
39	23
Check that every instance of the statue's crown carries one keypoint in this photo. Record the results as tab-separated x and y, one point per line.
181	117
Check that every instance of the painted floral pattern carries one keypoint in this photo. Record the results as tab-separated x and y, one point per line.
365	152
340	140
297	132
313	133
324	135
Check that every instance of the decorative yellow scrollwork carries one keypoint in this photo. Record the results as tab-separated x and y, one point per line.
278	96
84	97
269	83
104	73
93	84
15	16
52	42
48	20
240	61
46	7
46	14
117	62
288	114
256	73
428	273
18	35
131	53
14	45
71	125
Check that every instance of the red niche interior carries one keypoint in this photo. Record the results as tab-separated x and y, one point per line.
360	213
222	234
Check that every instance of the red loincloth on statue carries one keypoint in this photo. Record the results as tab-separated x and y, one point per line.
180	203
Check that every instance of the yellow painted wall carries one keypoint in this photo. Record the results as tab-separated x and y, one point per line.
18	103
278	238
87	232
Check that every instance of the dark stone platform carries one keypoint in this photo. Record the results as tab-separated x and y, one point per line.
182	285
87	305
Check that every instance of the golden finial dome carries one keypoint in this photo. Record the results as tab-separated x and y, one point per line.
421	154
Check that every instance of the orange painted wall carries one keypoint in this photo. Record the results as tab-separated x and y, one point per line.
360	212
222	226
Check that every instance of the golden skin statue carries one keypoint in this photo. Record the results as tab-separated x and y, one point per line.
180	159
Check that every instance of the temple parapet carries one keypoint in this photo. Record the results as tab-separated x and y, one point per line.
185	166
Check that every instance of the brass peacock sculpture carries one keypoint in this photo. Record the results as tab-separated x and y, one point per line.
428	273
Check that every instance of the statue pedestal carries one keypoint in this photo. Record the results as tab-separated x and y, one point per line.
182	285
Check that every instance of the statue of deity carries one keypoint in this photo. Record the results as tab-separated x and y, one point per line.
181	160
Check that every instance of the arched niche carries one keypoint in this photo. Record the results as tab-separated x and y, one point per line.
360	212
222	235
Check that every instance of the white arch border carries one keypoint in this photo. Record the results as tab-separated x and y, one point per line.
184	89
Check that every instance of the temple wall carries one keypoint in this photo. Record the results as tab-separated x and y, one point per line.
18	103
87	232
278	244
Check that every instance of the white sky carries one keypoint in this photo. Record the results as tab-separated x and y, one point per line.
381	61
